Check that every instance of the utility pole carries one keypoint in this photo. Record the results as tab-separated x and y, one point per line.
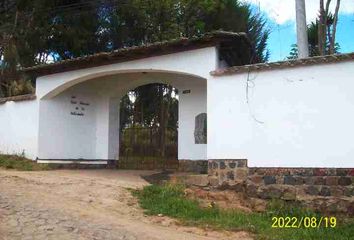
301	29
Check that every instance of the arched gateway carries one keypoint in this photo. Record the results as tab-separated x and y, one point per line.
77	99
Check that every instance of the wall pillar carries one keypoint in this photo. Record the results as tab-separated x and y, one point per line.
113	141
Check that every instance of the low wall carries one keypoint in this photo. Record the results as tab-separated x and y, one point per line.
19	125
325	189
195	166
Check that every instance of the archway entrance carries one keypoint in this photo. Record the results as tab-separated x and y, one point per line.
149	128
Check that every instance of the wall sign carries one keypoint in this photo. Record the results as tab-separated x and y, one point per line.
79	107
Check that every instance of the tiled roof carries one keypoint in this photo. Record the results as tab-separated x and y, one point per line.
284	64
18	98
139	52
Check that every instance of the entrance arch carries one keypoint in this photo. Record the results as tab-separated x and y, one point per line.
93	134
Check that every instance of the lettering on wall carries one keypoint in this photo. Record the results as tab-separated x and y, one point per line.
79	107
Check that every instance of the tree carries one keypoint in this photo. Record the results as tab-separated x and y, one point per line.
314	43
327	32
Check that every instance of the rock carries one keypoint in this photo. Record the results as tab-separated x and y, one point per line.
319	181
269	180
258	205
213	181
241	173
325	191
257	179
345	181
199	193
222	165
348	191
230	175
166	223
331	180
319	172
336	191
309	180
188	192
269	193
292	180
232	165
289	194
197	180
238	186
342	172
251	190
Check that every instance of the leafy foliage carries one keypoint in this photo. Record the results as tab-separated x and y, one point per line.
312	31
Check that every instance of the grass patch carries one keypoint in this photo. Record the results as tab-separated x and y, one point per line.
20	163
169	200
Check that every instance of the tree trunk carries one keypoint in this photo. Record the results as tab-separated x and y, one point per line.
334	29
320	29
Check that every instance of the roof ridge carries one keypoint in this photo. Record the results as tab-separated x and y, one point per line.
213	34
284	64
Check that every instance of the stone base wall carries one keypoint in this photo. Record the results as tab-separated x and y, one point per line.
321	188
195	166
77	166
312	181
227	172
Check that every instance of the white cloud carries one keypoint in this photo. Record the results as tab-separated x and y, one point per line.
282	11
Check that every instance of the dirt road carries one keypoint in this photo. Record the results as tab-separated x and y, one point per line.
84	204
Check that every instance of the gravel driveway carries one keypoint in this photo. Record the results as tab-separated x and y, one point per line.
84	204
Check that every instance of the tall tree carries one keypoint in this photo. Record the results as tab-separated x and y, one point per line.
314	43
326	32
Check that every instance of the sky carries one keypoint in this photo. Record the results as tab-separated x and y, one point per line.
280	15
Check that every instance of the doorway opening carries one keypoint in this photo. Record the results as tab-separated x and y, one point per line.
149	128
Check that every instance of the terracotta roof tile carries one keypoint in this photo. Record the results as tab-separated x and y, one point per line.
26	97
137	52
284	64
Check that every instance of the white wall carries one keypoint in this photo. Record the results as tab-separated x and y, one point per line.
197	63
191	105
66	136
19	128
96	135
296	117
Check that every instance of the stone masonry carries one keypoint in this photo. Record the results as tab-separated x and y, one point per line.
330	187
195	166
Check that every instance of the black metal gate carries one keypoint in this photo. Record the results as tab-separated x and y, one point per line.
148	148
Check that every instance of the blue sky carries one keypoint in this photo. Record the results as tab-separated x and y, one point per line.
280	15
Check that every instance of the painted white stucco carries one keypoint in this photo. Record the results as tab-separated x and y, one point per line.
292	117
197	63
96	134
296	117
19	128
